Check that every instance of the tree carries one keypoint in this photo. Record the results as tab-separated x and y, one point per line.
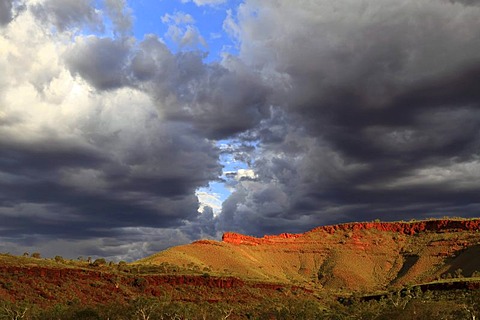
145	308
13	312
398	300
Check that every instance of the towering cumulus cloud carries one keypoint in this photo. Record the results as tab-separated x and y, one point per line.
345	110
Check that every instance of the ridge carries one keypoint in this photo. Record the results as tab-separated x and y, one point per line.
406	228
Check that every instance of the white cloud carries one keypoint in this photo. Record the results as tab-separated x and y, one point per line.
231	27
205	2
178	18
242	174
182	31
209	199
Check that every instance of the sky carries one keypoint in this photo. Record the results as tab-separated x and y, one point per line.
127	127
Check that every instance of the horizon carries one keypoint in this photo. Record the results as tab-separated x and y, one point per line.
128	127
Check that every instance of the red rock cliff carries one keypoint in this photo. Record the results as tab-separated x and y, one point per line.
407	228
236	238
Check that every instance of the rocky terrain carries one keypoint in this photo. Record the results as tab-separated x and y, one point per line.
365	256
271	277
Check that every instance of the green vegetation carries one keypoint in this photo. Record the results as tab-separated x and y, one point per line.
456	304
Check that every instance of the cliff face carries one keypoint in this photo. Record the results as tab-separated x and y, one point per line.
236	238
409	228
403	228
364	256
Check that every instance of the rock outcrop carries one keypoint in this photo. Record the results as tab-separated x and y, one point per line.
364	256
406	228
236	238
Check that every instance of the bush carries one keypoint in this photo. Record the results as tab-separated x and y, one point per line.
141	283
99	262
86	314
459	273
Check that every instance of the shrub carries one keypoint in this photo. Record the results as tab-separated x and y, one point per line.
86	314
141	283
459	273
99	262
36	255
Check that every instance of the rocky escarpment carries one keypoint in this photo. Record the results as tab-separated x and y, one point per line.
408	228
404	228
236	238
365	256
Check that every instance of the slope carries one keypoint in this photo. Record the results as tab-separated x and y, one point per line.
365	256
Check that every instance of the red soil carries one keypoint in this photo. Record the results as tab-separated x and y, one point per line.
47	286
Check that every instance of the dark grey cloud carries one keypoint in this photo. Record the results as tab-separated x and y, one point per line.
467	2
100	61
219	100
6	14
380	113
84	167
119	139
343	110
111	182
109	165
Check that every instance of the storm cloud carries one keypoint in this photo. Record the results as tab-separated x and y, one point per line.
383	112
342	111
87	153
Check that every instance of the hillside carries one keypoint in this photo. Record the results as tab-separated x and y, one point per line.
364	257
68	289
370	270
